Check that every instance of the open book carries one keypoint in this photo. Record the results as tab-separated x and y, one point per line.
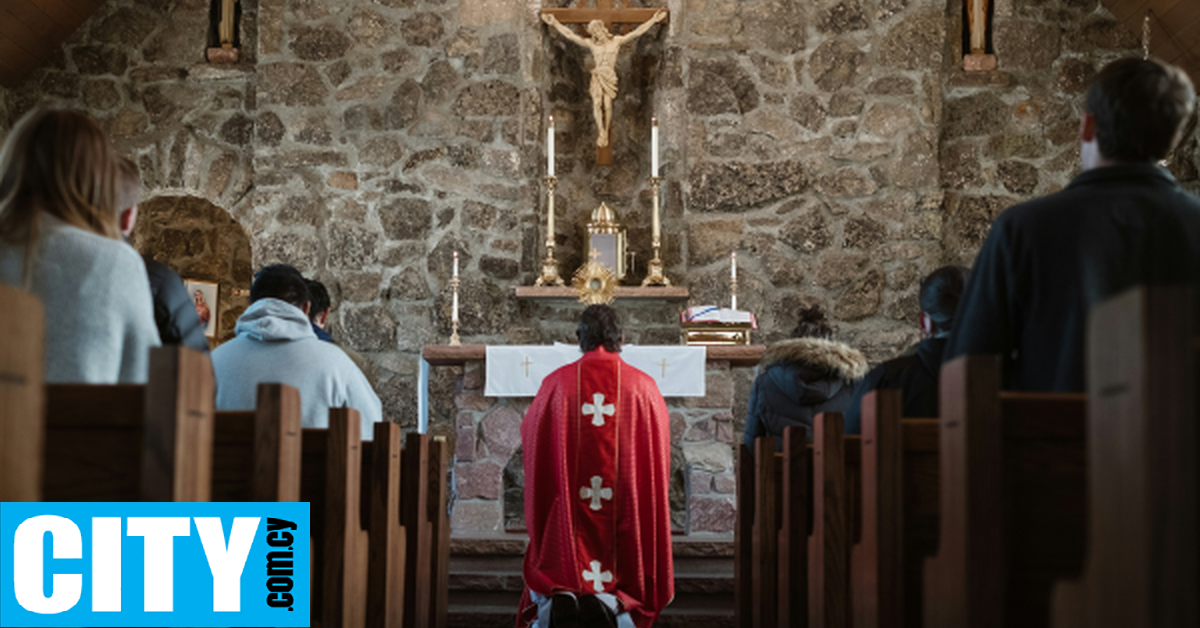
714	314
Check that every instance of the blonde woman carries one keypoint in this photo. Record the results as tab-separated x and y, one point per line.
60	238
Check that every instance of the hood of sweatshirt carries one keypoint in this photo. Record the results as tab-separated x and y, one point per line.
272	320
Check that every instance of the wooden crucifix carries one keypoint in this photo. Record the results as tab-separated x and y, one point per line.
609	29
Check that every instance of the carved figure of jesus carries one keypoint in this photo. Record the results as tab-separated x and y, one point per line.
604	47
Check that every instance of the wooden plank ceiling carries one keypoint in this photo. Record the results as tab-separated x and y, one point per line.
1174	29
32	30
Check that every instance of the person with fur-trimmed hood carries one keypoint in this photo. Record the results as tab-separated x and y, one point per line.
802	377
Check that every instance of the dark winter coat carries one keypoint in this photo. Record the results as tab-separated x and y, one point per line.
801	378
1047	262
174	311
915	374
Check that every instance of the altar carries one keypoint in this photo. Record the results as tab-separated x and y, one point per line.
488	480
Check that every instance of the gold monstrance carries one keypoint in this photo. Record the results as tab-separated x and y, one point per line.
606	237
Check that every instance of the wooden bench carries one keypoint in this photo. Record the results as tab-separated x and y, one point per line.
836	460
425	518
899	513
796	517
1141	566
1012	500
129	442
22	396
256	454
771	531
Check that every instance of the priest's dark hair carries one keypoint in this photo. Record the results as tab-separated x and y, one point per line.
813	323
280	281
600	326
1141	107
319	297
939	295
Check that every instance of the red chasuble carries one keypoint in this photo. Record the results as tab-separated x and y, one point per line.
597	452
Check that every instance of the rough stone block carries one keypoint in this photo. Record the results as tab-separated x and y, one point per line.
464	447
700	483
479	480
712	514
476	517
473	400
711	457
725	483
501	430
718	392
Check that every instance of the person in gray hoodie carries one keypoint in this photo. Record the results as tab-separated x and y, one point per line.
275	343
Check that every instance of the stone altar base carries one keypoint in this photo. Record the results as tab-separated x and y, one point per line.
488	482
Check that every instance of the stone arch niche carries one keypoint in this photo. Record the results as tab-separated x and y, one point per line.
202	242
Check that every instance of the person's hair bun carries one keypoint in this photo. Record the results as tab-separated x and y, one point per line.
813	323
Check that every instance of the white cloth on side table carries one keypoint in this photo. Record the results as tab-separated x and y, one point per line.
518	371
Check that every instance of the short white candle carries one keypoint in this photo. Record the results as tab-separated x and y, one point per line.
654	147
456	263
733	265
550	148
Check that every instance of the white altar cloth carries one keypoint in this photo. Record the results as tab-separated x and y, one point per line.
518	371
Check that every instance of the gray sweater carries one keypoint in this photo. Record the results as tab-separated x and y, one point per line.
275	343
99	314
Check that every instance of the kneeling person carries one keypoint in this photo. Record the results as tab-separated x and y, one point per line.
275	343
597	453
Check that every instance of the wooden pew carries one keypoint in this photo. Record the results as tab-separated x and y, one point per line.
386	537
256	454
899	513
423	513
22	396
130	442
331	470
1141	567
1012	500
795	525
836	460
771	532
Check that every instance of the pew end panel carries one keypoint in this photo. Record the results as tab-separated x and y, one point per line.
795	521
177	441
764	590
877	560
22	396
971	474
385	578
1141	567
414	479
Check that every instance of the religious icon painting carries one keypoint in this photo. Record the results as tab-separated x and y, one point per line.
204	297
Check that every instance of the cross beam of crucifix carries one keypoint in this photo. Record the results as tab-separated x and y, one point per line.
624	18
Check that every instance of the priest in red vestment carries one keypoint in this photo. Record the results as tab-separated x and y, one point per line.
597	455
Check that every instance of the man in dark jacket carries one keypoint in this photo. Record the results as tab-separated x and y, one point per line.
174	311
1123	222
917	373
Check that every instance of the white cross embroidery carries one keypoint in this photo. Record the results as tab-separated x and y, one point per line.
597	577
595	492
598	410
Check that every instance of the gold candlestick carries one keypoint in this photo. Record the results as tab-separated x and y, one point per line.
455	341
654	269
549	265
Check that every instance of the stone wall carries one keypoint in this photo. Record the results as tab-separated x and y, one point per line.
835	144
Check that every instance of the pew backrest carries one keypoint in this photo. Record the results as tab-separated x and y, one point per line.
1142	564
22	396
257	453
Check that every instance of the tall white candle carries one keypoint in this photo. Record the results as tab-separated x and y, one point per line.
454	303
654	147
733	265
550	148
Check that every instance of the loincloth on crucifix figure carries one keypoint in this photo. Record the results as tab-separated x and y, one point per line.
605	48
